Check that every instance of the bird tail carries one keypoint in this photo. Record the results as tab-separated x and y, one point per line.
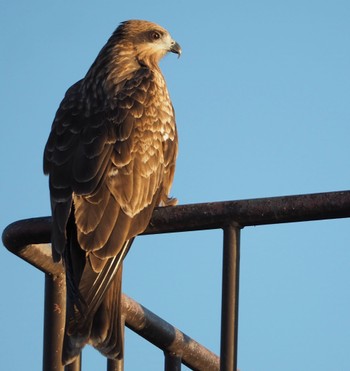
107	328
95	318
103	330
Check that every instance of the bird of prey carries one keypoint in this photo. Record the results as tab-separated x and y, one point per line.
110	158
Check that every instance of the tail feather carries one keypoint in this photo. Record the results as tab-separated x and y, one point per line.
103	330
93	309
107	328
102	281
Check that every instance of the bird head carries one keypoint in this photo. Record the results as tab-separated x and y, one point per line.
149	41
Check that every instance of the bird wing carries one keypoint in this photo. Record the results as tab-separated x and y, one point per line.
107	163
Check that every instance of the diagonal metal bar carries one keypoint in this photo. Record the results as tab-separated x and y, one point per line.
165	336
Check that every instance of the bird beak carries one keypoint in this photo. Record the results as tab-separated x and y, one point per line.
175	48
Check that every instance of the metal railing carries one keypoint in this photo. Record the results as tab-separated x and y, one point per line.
29	239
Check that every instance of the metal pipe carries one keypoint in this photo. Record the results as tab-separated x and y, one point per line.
251	212
172	362
54	321
261	211
115	365
230	296
168	338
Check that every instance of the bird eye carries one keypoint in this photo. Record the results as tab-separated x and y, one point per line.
155	35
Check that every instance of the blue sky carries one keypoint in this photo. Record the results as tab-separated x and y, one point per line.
261	94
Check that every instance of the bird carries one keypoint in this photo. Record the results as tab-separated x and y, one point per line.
110	157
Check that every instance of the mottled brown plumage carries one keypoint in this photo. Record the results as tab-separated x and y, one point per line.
110	158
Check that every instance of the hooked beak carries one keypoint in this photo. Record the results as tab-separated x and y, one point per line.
175	48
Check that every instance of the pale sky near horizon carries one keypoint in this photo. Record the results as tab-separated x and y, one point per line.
261	94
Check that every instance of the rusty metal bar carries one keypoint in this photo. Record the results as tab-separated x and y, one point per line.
214	215
172	362
260	211
166	337
230	296
115	365
54	320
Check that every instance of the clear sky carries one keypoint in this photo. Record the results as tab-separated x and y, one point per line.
261	94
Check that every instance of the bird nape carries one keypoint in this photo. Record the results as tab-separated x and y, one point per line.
111	159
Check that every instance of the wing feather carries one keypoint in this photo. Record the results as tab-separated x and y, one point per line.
97	232
109	167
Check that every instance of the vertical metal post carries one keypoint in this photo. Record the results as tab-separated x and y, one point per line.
54	321
230	295
115	365
172	362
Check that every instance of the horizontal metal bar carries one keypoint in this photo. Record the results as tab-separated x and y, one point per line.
260	211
